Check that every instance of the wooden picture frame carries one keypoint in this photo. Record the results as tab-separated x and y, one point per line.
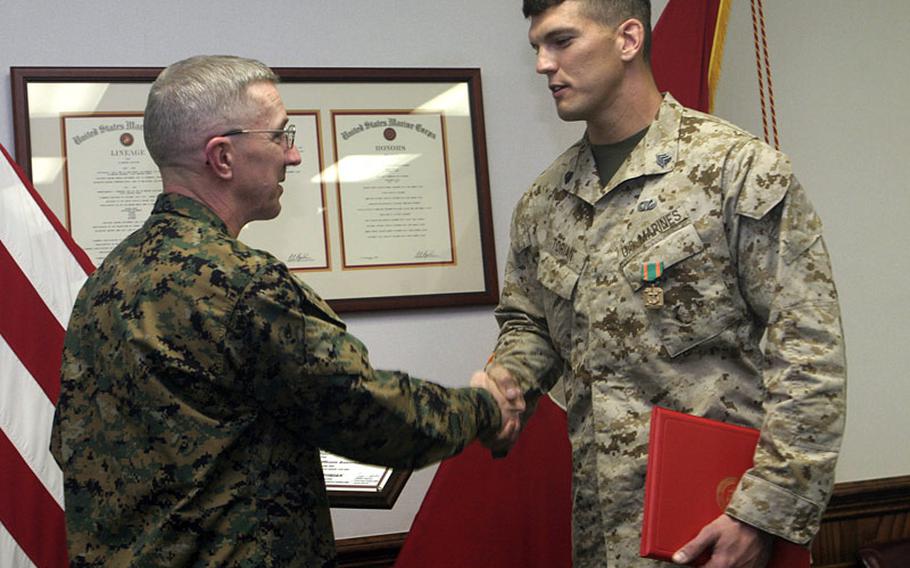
390	208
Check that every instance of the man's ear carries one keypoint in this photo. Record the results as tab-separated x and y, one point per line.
631	35
219	157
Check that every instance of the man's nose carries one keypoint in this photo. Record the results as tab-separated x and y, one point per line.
292	156
545	62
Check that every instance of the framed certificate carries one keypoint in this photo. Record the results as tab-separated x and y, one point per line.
359	486
389	208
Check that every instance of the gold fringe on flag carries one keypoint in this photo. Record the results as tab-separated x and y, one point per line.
717	50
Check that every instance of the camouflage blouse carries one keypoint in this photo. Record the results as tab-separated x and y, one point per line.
200	378
696	279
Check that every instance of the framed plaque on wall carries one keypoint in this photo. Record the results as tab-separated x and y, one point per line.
389	208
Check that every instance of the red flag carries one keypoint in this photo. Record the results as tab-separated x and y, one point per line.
510	512
687	49
41	271
517	511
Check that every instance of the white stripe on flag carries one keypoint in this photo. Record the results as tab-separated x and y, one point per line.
36	247
10	553
657	8
27	421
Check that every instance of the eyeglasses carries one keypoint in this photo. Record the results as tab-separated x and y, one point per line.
287	133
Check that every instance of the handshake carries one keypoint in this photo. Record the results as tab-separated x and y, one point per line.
507	393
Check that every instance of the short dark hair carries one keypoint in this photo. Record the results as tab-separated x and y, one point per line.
607	12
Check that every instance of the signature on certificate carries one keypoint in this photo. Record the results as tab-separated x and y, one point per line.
426	253
300	257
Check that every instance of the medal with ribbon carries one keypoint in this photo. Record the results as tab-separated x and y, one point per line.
653	294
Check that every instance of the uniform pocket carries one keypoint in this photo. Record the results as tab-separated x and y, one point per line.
556	275
559	281
697	301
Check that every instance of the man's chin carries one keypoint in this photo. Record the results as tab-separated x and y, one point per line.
272	212
569	115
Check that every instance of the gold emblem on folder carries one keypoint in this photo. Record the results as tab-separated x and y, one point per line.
725	490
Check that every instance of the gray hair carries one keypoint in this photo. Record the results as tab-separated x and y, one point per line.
197	98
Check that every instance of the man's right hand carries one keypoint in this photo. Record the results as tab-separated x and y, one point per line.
507	393
730	543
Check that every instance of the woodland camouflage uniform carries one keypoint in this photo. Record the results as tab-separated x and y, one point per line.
742	256
200	378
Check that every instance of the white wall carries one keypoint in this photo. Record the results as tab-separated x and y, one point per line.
840	74
828	57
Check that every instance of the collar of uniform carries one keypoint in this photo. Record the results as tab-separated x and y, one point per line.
173	203
655	154
580	176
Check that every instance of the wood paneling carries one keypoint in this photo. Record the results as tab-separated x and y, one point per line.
372	551
860	513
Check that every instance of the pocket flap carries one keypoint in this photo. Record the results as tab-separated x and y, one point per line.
556	275
678	246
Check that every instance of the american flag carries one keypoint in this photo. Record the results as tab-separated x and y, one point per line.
41	271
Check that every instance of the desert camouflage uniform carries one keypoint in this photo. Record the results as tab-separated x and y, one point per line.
743	255
199	380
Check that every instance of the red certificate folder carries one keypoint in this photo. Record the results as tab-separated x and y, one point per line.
694	465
